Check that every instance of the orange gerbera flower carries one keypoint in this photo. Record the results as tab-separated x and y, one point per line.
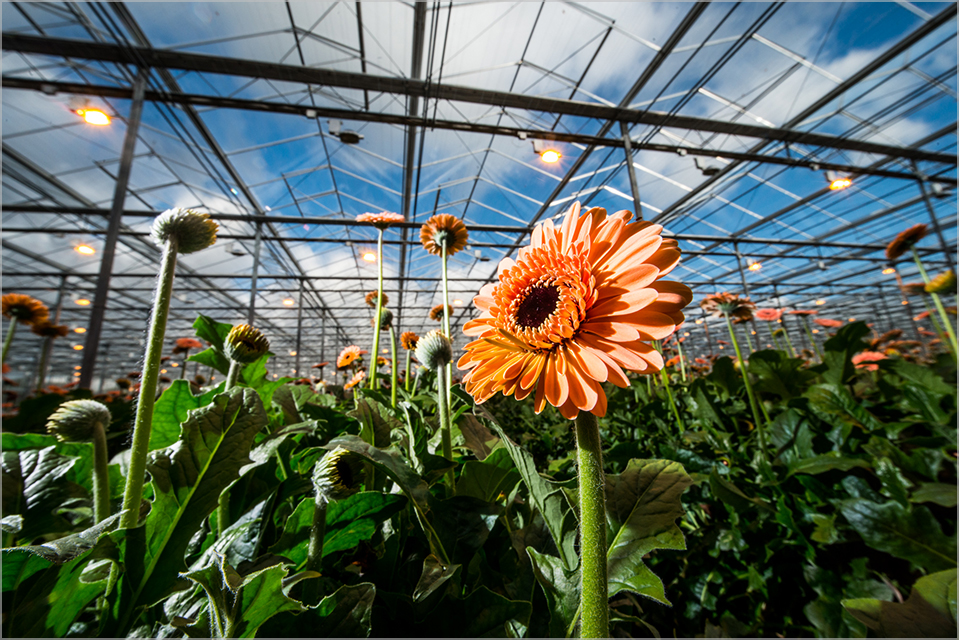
188	343
828	322
862	360
23	308
802	312
355	380
47	329
738	308
579	305
409	339
905	241
769	315
381	220
370	299
444	230
348	356
914	288
320	365
436	313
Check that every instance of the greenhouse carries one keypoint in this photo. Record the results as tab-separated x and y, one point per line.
479	319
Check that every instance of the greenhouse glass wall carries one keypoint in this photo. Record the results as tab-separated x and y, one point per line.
479	319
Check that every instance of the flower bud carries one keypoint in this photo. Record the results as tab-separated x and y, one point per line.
76	420
244	344
434	350
386	319
338	474
192	231
945	282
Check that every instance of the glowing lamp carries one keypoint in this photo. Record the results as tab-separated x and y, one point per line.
820	302
755	266
369	256
78	347
79	330
83	302
887	271
289	302
85	249
550	156
839	184
162	370
94	117
458	303
292	353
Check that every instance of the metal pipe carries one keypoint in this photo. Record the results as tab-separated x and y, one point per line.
256	268
299	327
631	170
92	343
921	180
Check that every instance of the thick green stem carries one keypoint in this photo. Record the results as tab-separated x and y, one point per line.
393	372
749	387
682	359
233	375
101	475
379	310
223	513
594	596
406	378
812	339
773	337
183	365
935	323
133	493
749	342
446	328
42	369
9	340
950	329
789	342
314	557
669	395
442	386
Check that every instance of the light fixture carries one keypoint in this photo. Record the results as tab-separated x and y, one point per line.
753	332
458	303
852	319
905	302
755	266
708	170
547	154
887	271
289	302
369	256
78	367
78	347
292	353
815	330
162	370
686	334
82	302
274	375
79	330
838	182
94	116
85	249
820	302
174	364
700	321
346	136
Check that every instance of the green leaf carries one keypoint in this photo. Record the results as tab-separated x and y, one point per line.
937	492
35	486
840	349
489	478
895	485
346	613
347	523
733	496
561	586
827	462
73	546
779	374
548	496
926	393
215	333
929	612
173	408
241	604
435	574
642	506
835	399
187	479
12	524
915	536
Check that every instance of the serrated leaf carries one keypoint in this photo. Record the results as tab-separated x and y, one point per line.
561	586
34	486
839	350
642	506
489	478
929	612
215	333
548	496
835	399
729	493
187	479
67	548
779	374
173	408
915	536
827	462
346	613
435	574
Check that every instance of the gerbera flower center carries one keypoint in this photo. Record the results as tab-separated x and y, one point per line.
538	305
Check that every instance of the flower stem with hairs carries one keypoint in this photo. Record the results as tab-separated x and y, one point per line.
314	555
233	375
669	394
133	492
393	372
443	408
446	327
101	475
594	592
682	359
406	378
9	339
379	309
749	387
812	339
950	329
789	342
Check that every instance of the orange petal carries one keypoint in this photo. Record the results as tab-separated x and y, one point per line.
612	330
589	362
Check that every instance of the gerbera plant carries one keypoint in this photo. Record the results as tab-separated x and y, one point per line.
87	421
578	307
349	358
184	346
49	332
408	340
729	305
803	314
175	231
435	351
23	309
382	222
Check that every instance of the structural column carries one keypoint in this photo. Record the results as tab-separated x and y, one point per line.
631	170
256	269
921	179
299	328
92	343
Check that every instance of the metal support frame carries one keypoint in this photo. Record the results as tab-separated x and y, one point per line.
299	328
631	171
251	314
91	345
921	181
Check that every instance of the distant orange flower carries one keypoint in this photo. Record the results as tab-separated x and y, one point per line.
355	380
348	356
769	315
926	332
189	343
672	362
862	359
905	241
802	312
576	308
914	288
47	329
409	339
320	365
444	229
381	220
370	299
828	322
23	308
436	313
921	316
738	308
